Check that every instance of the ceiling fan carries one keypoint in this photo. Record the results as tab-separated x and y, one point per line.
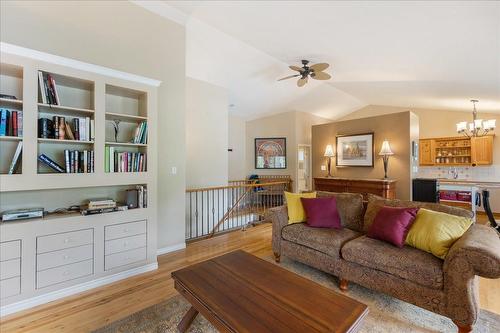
314	71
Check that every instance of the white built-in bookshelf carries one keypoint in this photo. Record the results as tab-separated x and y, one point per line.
121	243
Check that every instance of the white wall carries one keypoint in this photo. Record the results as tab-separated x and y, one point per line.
237	143
206	134
104	33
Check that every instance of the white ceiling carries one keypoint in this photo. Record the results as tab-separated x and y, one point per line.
399	53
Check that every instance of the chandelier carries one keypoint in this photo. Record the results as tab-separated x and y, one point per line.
477	127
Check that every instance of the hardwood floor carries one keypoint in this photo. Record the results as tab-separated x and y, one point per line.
95	308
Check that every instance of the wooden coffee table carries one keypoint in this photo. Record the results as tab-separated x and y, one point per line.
238	292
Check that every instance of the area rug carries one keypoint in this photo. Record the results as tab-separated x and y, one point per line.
387	314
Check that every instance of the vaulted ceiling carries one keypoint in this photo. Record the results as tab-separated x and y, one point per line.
412	54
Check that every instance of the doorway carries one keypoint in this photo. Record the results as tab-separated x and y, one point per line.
304	180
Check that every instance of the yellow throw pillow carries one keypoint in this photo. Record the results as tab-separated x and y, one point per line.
435	232
296	211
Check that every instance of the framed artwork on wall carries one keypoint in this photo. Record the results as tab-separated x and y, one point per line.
270	153
355	150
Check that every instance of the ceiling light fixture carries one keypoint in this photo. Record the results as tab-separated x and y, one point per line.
477	127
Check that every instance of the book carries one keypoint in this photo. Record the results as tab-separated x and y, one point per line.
54	89
14	123
69	132
15	158
3	122
45	128
106	159
112	159
92	155
62	128
19	124
87	129
50	163
82	131
55	122
85	162
9	124
92	130
76	125
41	84
67	160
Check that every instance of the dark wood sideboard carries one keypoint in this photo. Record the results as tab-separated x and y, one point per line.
382	187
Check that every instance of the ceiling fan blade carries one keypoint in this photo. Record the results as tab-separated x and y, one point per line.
302	81
296	68
288	77
319	67
321	76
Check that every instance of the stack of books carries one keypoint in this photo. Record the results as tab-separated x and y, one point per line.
48	89
58	128
11	123
124	161
74	162
79	161
141	133
99	206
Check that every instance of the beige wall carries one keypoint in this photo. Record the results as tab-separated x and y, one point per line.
295	126
393	127
206	134
237	144
122	36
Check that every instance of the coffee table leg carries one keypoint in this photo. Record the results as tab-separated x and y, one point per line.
187	320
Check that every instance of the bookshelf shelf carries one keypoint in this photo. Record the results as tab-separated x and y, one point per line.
59	141
64	110
126	144
11	138
10	102
125	117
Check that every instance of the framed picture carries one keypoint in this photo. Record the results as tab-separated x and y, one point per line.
355	150
270	153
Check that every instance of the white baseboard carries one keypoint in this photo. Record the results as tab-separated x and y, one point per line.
54	295
172	248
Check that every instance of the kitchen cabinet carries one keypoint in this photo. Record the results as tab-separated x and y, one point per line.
482	150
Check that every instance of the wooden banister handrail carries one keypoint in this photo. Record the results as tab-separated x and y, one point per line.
236	186
228	213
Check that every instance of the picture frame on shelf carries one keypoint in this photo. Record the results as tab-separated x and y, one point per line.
270	153
355	150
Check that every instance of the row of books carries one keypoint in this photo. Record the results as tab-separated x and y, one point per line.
141	133
74	162
83	129
11	123
124	161
48	89
141	195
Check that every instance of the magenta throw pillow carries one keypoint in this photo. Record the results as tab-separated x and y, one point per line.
321	212
392	224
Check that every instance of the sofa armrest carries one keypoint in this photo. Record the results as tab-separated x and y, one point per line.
279	218
480	248
476	253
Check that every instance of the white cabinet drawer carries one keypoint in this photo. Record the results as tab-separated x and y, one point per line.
124	230
125	244
60	274
10	250
10	269
124	258
10	287
64	240
64	257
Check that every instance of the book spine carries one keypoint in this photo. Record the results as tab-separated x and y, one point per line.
92	156
20	124
111	159
76	125
54	88
62	128
92	129
106	159
69	131
9	123
41	84
67	161
81	121
77	161
48	161
14	123
72	161
145	202
87	129
55	120
3	122
85	161
15	159
47	91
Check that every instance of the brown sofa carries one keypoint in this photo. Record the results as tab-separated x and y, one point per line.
448	287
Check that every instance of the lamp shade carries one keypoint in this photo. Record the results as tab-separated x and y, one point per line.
386	149
329	151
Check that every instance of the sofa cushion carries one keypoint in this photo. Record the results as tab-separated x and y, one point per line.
392	224
296	212
328	241
350	207
407	263
322	212
375	203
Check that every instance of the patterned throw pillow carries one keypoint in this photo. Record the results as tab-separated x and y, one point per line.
296	213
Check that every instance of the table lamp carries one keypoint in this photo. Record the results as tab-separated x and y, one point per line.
385	152
329	153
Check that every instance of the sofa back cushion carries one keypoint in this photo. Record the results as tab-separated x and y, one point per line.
375	203
350	208
322	212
